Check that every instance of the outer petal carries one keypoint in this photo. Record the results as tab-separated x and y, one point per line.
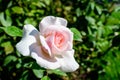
30	36
68	63
44	61
51	20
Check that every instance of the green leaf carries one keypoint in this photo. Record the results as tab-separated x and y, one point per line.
90	20
47	2
112	20
24	75
117	8
28	65
30	21
18	65
107	30
8	59
5	22
45	78
38	73
13	31
36	66
112	69
78	12
18	10
2	39
99	10
58	72
116	15
8	48
92	4
103	45
77	35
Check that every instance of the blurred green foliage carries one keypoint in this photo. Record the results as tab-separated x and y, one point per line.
96	28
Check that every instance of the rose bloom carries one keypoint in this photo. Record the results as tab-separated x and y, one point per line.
52	47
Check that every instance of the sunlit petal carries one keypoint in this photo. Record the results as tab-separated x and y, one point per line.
68	63
51	20
46	62
30	36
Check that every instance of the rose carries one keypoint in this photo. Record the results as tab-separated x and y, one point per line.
52	46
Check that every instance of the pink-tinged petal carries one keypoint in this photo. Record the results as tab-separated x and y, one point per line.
45	46
30	36
51	20
68	63
64	40
50	33
43	59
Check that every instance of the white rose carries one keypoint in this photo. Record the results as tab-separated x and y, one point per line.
52	46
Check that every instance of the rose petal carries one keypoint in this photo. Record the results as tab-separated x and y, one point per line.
30	36
50	38
51	20
45	46
68	63
68	38
61	29
44	61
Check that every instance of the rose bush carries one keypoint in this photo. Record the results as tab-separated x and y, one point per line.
52	46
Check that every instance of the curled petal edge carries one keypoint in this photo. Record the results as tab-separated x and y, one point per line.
29	37
68	63
51	20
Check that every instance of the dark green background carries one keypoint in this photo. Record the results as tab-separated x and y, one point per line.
96	28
